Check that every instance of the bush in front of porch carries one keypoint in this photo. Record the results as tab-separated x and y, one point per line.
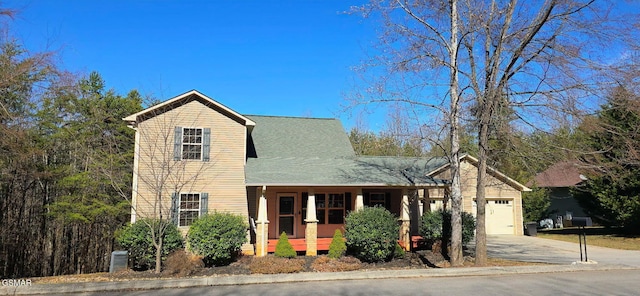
435	227
284	249
338	247
372	234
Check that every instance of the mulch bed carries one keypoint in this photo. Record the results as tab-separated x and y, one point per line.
412	260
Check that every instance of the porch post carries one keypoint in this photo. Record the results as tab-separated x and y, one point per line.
416	210
405	227
311	231
359	200
262	225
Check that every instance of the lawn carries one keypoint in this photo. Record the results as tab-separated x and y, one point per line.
596	236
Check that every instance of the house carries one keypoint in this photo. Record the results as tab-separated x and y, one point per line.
559	179
286	174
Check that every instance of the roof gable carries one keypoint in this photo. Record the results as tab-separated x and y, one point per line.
493	172
276	136
181	100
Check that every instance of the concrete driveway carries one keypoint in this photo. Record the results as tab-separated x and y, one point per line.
535	249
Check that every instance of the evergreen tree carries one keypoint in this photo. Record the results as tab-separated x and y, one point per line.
611	195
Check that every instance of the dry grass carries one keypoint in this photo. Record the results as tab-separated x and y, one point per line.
75	278
181	263
326	264
600	240
271	264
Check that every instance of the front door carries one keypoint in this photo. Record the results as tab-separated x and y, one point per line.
286	214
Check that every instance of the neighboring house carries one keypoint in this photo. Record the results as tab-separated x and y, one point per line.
286	174
559	179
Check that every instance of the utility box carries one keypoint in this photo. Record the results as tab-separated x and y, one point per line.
119	261
581	221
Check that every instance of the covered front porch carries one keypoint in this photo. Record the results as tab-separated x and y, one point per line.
310	215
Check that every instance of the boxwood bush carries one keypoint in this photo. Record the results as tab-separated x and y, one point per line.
372	234
217	237
436	225
137	239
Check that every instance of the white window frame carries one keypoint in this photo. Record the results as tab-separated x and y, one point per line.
195	144
181	210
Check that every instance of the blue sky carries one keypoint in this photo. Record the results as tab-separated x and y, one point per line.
289	58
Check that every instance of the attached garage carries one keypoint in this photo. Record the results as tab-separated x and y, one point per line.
503	195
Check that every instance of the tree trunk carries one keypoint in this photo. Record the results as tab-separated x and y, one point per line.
455	256
481	232
159	255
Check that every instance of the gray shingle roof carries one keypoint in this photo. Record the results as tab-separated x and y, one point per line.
275	136
336	172
317	152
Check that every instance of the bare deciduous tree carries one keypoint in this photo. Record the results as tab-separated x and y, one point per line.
531	64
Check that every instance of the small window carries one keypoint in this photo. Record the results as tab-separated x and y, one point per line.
321	206
330	208
503	202
377	199
192	143
336	208
189	208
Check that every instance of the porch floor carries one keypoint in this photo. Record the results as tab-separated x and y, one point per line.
300	244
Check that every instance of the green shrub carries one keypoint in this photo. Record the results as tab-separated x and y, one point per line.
468	228
338	247
372	234
137	239
284	248
431	226
399	252
436	225
217	237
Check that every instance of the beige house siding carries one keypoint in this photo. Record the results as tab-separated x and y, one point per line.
222	177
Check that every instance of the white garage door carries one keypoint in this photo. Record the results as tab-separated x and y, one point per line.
499	218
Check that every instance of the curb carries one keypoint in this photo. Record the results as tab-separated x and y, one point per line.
297	277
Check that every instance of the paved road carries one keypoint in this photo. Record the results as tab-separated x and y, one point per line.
535	249
615	282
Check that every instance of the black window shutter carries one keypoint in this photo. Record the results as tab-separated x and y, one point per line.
206	144
175	208
347	201
367	199
204	203
387	200
177	143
